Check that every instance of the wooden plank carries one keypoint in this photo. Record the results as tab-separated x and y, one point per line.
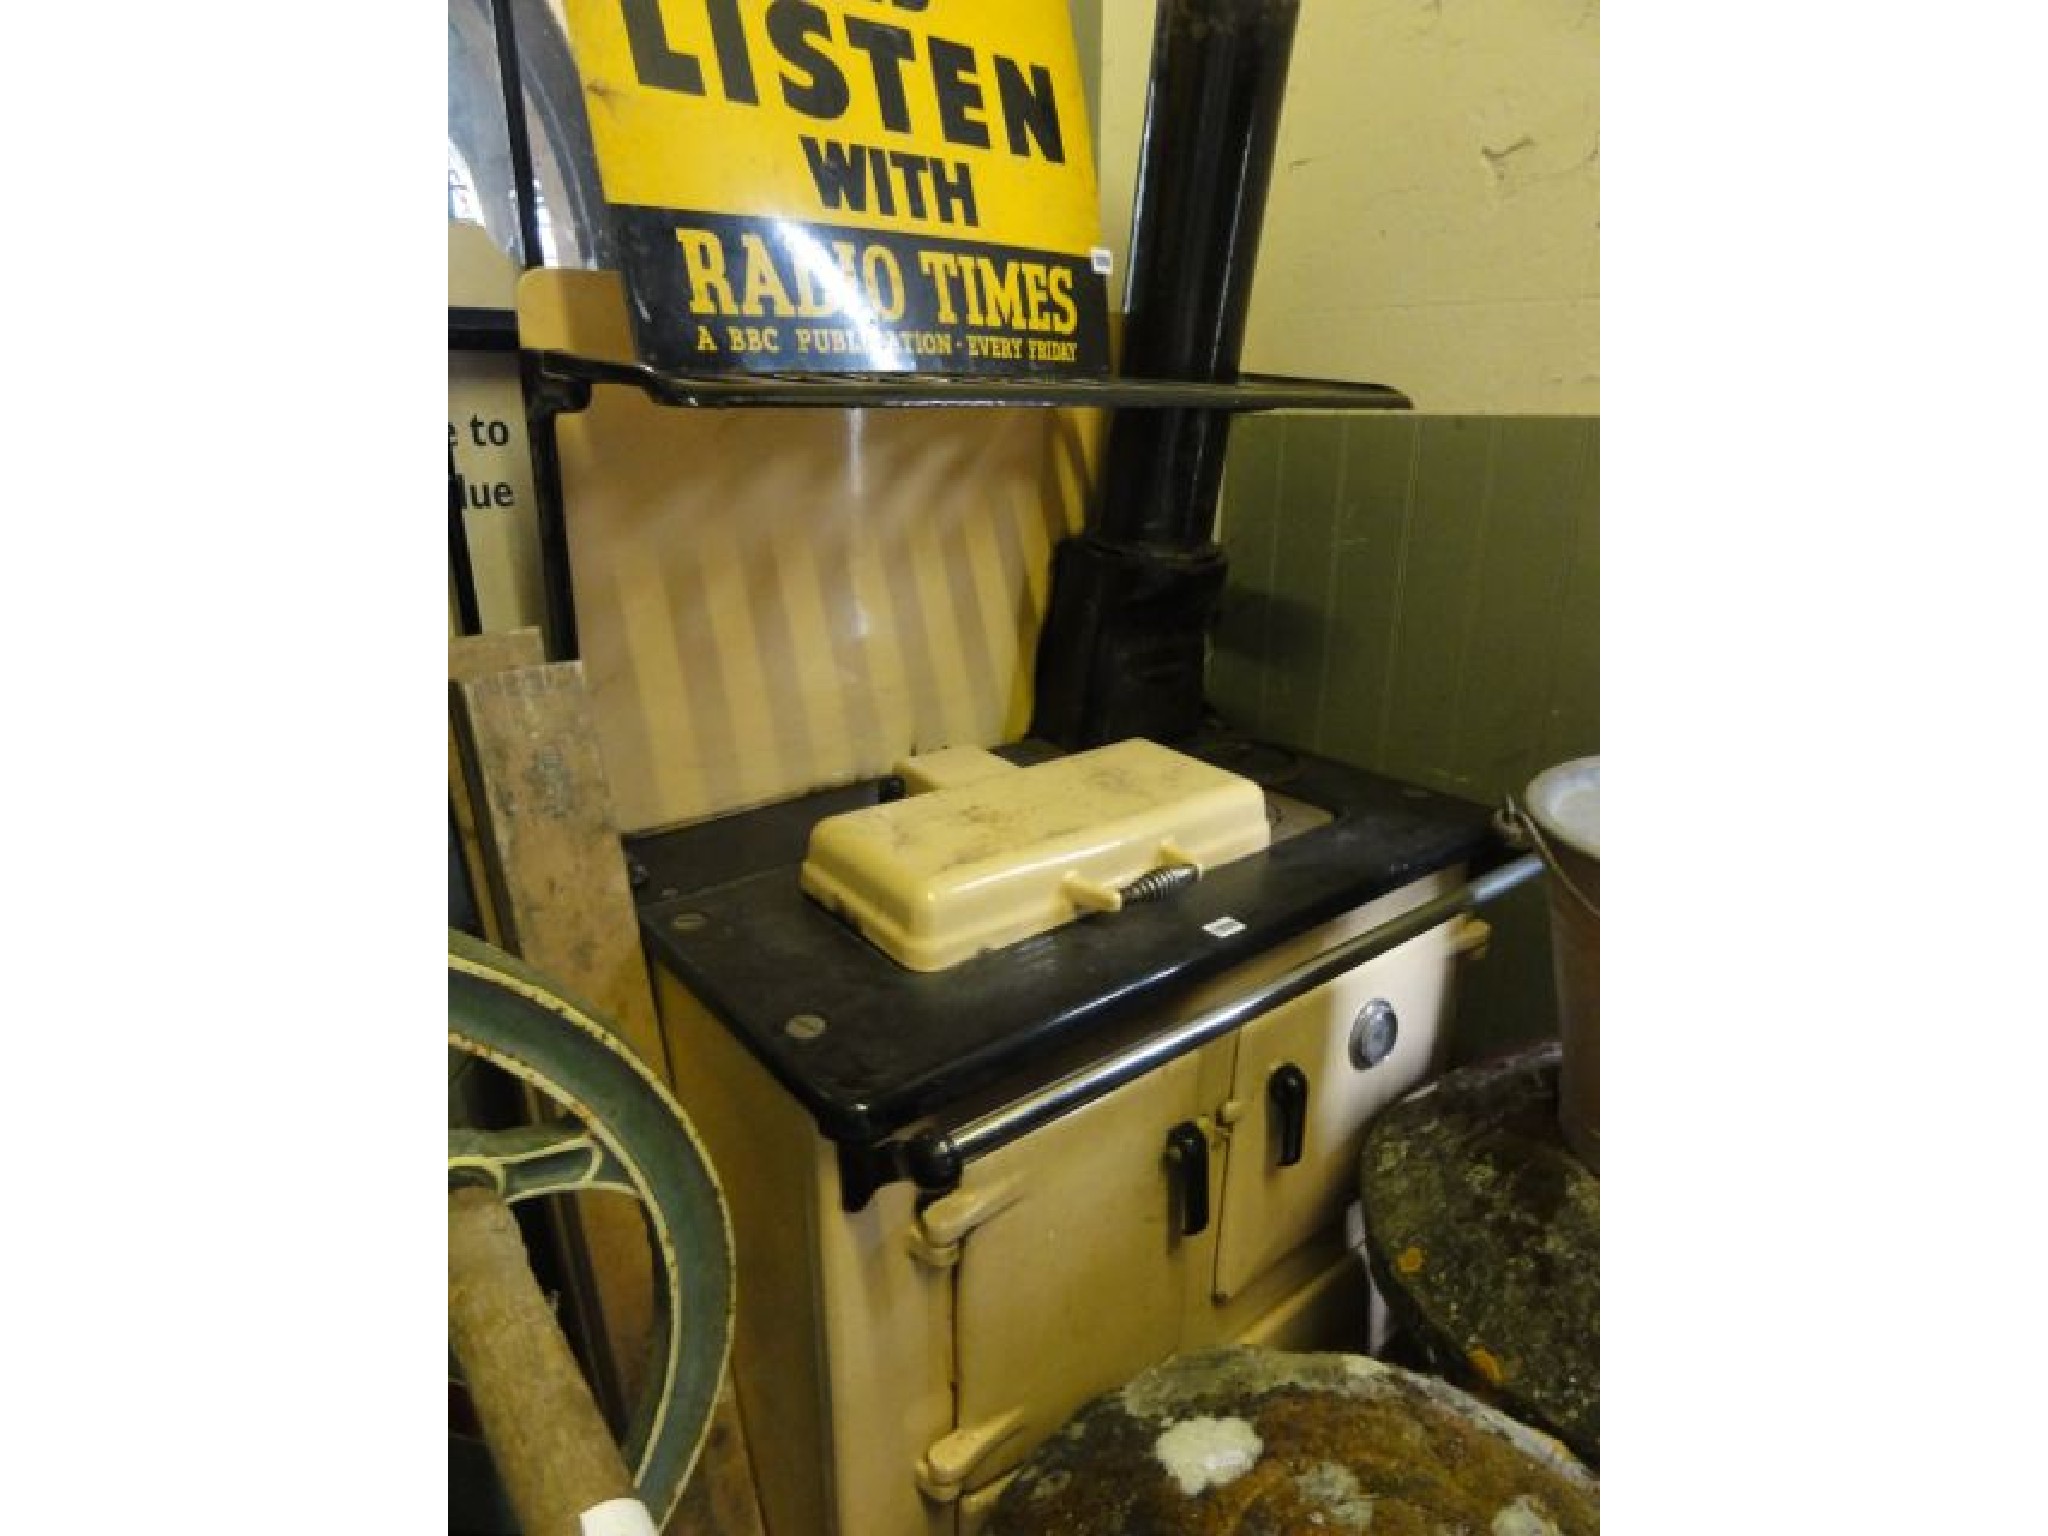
610	1292
557	880
557	875
552	855
473	656
562	1221
470	657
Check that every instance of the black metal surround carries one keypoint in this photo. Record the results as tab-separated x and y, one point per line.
898	1045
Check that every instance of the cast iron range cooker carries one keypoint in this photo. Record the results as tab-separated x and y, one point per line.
872	1049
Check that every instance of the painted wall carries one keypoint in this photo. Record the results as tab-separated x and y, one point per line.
1420	595
1416	593
1433	221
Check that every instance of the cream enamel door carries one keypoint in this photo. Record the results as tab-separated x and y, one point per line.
1326	1062
1074	1274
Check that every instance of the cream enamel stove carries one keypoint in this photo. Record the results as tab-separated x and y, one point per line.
1025	1070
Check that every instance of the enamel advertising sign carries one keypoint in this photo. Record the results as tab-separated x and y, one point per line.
848	185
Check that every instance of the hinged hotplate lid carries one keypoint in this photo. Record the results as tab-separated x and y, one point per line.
993	853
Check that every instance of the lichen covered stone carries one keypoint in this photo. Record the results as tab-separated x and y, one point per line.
1483	1233
1255	1442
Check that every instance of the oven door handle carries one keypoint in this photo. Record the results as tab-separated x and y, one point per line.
1287	1097
1187	1161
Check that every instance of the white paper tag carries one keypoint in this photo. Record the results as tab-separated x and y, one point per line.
617	1517
1223	928
1101	258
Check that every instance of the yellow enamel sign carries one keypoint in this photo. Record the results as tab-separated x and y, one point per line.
848	184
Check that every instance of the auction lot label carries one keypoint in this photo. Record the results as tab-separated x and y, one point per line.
848	185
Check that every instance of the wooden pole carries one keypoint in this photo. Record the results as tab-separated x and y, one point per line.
551	1447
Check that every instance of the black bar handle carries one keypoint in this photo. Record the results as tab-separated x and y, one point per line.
1187	1154
1287	1093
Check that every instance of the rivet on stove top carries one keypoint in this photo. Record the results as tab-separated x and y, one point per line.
804	1026
687	922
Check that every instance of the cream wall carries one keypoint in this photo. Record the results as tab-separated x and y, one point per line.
1433	222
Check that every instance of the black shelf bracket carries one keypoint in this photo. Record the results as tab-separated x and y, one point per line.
482	330
564	382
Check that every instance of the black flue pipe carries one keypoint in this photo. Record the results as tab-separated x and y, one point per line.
1212	118
1124	639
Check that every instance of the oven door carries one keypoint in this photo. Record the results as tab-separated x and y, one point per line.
1309	1076
1076	1271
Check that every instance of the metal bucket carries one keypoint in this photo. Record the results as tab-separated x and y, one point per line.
1563	805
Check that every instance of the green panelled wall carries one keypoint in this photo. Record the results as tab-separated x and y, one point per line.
1420	595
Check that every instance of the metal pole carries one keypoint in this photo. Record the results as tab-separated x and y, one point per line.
1122	650
558	618
461	572
1212	119
936	1159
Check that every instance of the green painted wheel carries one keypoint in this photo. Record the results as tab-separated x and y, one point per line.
627	1134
